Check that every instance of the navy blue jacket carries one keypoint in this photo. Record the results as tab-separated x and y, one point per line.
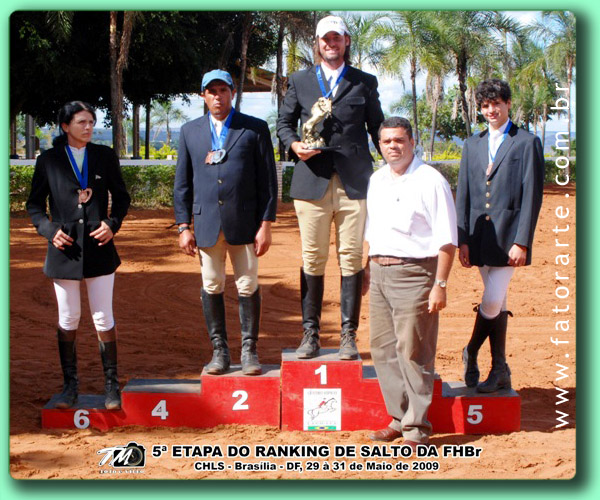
234	196
356	112
55	180
497	211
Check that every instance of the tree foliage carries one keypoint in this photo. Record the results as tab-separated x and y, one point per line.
168	55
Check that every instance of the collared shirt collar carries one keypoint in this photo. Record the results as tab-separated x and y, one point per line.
215	120
218	124
332	73
77	150
501	129
414	164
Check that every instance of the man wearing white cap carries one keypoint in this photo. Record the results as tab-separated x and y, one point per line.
331	185
225	181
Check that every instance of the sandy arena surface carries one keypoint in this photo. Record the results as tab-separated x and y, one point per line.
162	335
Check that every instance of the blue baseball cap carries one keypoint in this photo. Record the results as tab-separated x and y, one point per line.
217	74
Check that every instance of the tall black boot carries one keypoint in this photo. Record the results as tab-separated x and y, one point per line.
499	377
350	300
481	330
311	289
213	305
107	342
250	324
68	361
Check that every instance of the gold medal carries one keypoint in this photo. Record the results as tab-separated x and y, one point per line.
85	195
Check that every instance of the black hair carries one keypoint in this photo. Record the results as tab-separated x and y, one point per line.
396	122
491	89
66	114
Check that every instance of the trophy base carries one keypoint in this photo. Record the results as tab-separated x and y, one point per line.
325	148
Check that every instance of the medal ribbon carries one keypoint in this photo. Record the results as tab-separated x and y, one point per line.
82	176
219	142
322	83
493	157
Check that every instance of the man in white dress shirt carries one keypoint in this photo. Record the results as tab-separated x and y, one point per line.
412	235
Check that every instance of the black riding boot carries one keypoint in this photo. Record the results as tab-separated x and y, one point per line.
213	306
481	331
250	324
112	393
311	289
107	342
499	377
351	295
68	361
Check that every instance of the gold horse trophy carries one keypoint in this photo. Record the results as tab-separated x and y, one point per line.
320	110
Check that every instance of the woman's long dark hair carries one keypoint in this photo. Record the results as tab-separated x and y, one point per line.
66	114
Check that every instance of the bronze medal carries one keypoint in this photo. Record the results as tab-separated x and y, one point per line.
209	158
85	195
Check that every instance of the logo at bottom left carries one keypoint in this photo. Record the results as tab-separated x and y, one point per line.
127	459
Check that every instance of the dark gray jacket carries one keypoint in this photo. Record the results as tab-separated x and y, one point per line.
496	211
356	110
235	195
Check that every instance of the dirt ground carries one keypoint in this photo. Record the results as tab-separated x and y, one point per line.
162	335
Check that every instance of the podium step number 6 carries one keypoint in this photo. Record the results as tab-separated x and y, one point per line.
81	420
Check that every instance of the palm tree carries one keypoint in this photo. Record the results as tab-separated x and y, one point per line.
409	35
508	28
288	22
366	45
465	34
164	114
535	80
299	53
438	67
60	23
557	30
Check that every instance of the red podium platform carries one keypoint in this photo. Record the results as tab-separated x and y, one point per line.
88	412
319	394
324	393
210	401
476	413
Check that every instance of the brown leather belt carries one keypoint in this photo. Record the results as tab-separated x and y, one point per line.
388	260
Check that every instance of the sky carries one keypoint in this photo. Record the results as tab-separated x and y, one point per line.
261	104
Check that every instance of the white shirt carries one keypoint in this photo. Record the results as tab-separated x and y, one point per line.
78	154
411	215
218	124
496	138
332	75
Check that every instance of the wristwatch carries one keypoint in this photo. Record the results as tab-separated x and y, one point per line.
441	283
181	229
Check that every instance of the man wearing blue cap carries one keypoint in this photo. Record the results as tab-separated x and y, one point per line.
225	181
330	185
